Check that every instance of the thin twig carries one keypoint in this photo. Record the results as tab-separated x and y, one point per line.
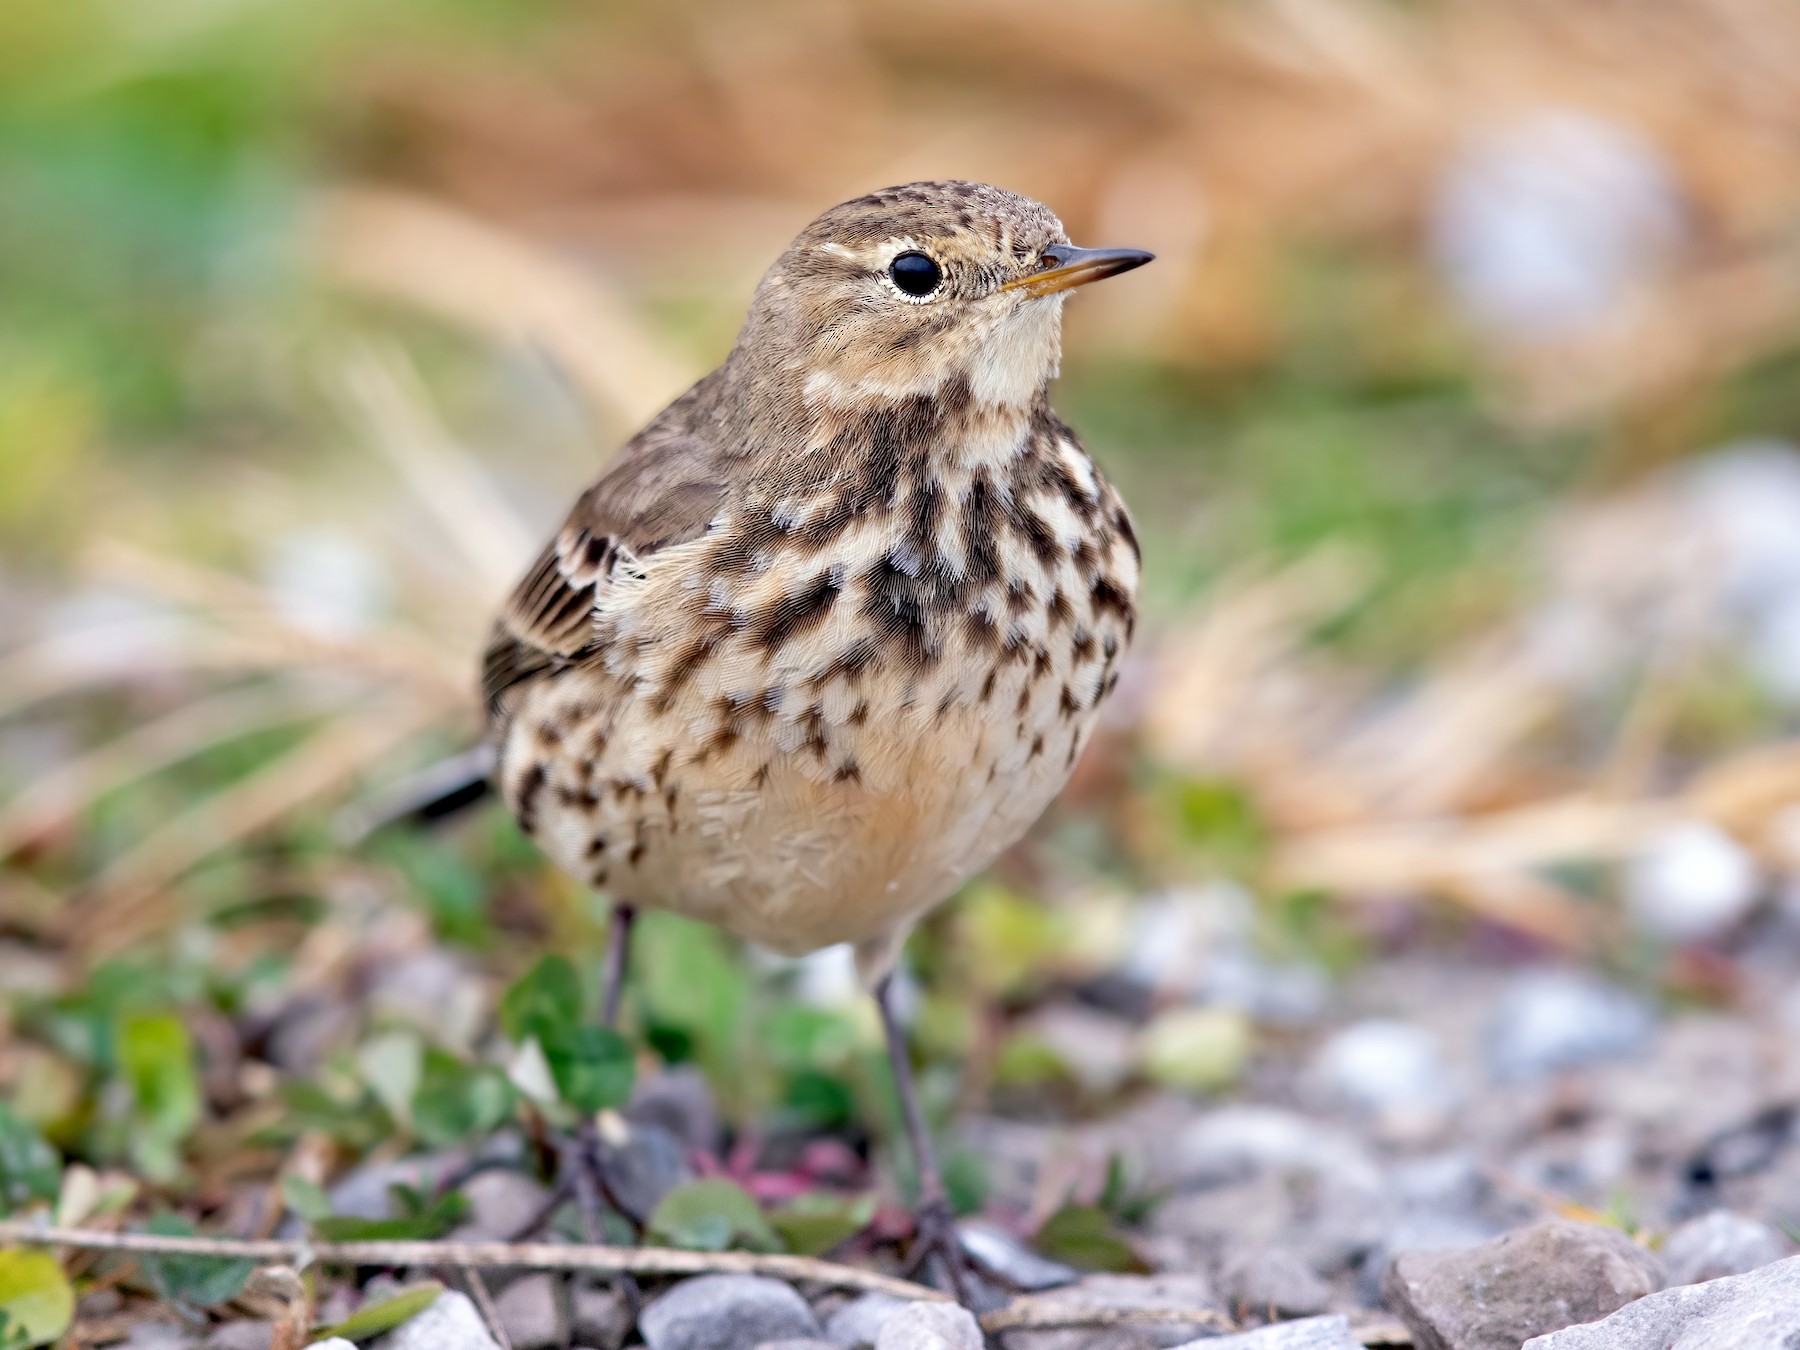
484	1302
473	1255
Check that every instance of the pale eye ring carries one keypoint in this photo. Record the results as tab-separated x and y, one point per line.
916	274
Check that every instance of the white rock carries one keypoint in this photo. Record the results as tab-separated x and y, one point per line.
1314	1333
1011	1260
930	1326
1757	1311
1385	1068
450	1323
1693	883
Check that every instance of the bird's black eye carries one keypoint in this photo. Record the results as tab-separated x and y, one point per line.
916	274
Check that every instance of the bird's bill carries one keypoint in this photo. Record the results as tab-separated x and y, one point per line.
1071	267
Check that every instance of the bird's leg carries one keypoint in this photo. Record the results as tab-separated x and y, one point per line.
589	1179
618	954
936	1224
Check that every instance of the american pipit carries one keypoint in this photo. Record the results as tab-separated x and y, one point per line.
832	630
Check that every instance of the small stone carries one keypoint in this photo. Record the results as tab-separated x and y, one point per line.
158	1336
930	1326
1124	1291
1007	1257
726	1312
600	1316
532	1313
242	1336
1315	1333
306	1031
859	1321
1693	883
799	1343
1552	1020
641	1164
450	1323
1272	1282
1386	1070
501	1203
1757	1311
1719	1244
1524	1283
1237	1142
1095	1048
434	991
333	1343
681	1101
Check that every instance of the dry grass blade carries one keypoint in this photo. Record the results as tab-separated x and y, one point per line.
56	798
432	256
383	390
267	639
115	909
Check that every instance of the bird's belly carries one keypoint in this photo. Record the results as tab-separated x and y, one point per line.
790	846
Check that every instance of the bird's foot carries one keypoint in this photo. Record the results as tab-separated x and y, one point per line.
937	1251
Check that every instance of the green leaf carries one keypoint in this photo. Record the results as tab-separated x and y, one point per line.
305	1198
376	1318
710	1215
1086	1236
542	1002
157	1060
457	1100
36	1303
390	1065
814	1223
593	1067
200	1280
29	1168
421	1217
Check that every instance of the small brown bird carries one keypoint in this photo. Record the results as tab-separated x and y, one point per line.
832	630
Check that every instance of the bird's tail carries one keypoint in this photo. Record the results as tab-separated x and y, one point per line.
432	794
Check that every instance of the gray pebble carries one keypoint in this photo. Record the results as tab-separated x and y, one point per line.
726	1312
859	1321
531	1310
601	1316
1550	1020
1524	1283
930	1326
242	1336
1270	1282
1719	1244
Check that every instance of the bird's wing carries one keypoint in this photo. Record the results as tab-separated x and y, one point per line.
665	489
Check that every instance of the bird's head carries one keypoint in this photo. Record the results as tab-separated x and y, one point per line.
892	295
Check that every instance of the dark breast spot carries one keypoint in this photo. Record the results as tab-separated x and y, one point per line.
793	615
531	784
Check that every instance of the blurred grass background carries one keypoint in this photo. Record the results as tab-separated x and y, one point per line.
315	314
